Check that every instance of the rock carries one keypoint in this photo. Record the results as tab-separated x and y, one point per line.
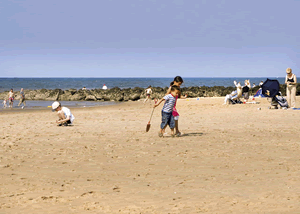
134	97
90	98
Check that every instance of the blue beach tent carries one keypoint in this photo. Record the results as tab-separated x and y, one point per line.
259	93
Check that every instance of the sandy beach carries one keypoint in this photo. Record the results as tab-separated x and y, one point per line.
230	159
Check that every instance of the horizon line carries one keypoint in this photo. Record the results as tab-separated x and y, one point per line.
146	77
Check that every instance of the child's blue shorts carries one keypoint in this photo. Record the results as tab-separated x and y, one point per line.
167	119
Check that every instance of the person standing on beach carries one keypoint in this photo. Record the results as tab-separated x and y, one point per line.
291	84
11	97
65	117
148	94
166	113
246	90
22	98
177	82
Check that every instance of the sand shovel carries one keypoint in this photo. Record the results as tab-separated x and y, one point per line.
148	125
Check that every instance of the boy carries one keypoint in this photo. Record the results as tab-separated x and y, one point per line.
64	114
166	113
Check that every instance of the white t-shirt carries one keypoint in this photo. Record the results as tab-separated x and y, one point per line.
67	112
148	91
104	87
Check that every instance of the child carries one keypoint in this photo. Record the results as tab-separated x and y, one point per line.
64	114
4	103
11	97
148	93
166	113
177	82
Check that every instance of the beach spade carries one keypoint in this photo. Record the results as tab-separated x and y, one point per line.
148	125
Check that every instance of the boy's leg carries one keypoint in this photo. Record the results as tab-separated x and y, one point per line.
171	123
164	122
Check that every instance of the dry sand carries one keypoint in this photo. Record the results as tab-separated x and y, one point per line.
231	159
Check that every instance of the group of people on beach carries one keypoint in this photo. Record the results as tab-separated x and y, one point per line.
290	81
11	98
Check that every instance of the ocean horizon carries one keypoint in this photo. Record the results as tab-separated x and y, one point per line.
64	83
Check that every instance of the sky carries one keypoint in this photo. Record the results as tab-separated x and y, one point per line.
149	38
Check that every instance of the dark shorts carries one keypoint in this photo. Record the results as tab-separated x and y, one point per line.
68	122
148	95
167	119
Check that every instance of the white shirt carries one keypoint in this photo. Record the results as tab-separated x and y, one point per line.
67	112
104	87
148	91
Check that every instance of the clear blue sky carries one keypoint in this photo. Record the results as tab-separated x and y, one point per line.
149	38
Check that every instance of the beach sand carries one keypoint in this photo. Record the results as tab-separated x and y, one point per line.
230	159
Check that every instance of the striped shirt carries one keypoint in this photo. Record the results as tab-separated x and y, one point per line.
169	103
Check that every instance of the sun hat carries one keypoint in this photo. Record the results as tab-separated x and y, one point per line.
55	105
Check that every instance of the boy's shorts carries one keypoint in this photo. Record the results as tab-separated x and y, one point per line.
167	119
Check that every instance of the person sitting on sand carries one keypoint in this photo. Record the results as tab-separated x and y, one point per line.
4	103
235	95
166	113
148	94
65	117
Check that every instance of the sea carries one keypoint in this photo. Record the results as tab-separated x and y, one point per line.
94	83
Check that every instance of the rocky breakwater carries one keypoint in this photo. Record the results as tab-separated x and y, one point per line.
119	95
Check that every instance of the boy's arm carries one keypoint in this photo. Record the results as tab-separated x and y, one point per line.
64	120
157	104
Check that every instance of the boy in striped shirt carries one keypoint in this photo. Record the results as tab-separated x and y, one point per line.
166	113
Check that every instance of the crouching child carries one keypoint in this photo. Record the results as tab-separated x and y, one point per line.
65	117
166	113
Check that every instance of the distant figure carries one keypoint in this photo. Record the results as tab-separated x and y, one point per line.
4	103
246	90
261	83
84	88
253	85
148	94
291	84
22	98
104	87
65	117
11	97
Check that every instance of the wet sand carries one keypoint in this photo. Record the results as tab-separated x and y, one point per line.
230	159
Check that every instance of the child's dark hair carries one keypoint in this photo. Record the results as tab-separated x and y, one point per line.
178	79
174	87
172	83
149	86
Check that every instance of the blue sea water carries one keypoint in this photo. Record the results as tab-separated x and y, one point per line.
92	83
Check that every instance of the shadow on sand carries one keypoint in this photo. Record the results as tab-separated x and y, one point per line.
193	134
